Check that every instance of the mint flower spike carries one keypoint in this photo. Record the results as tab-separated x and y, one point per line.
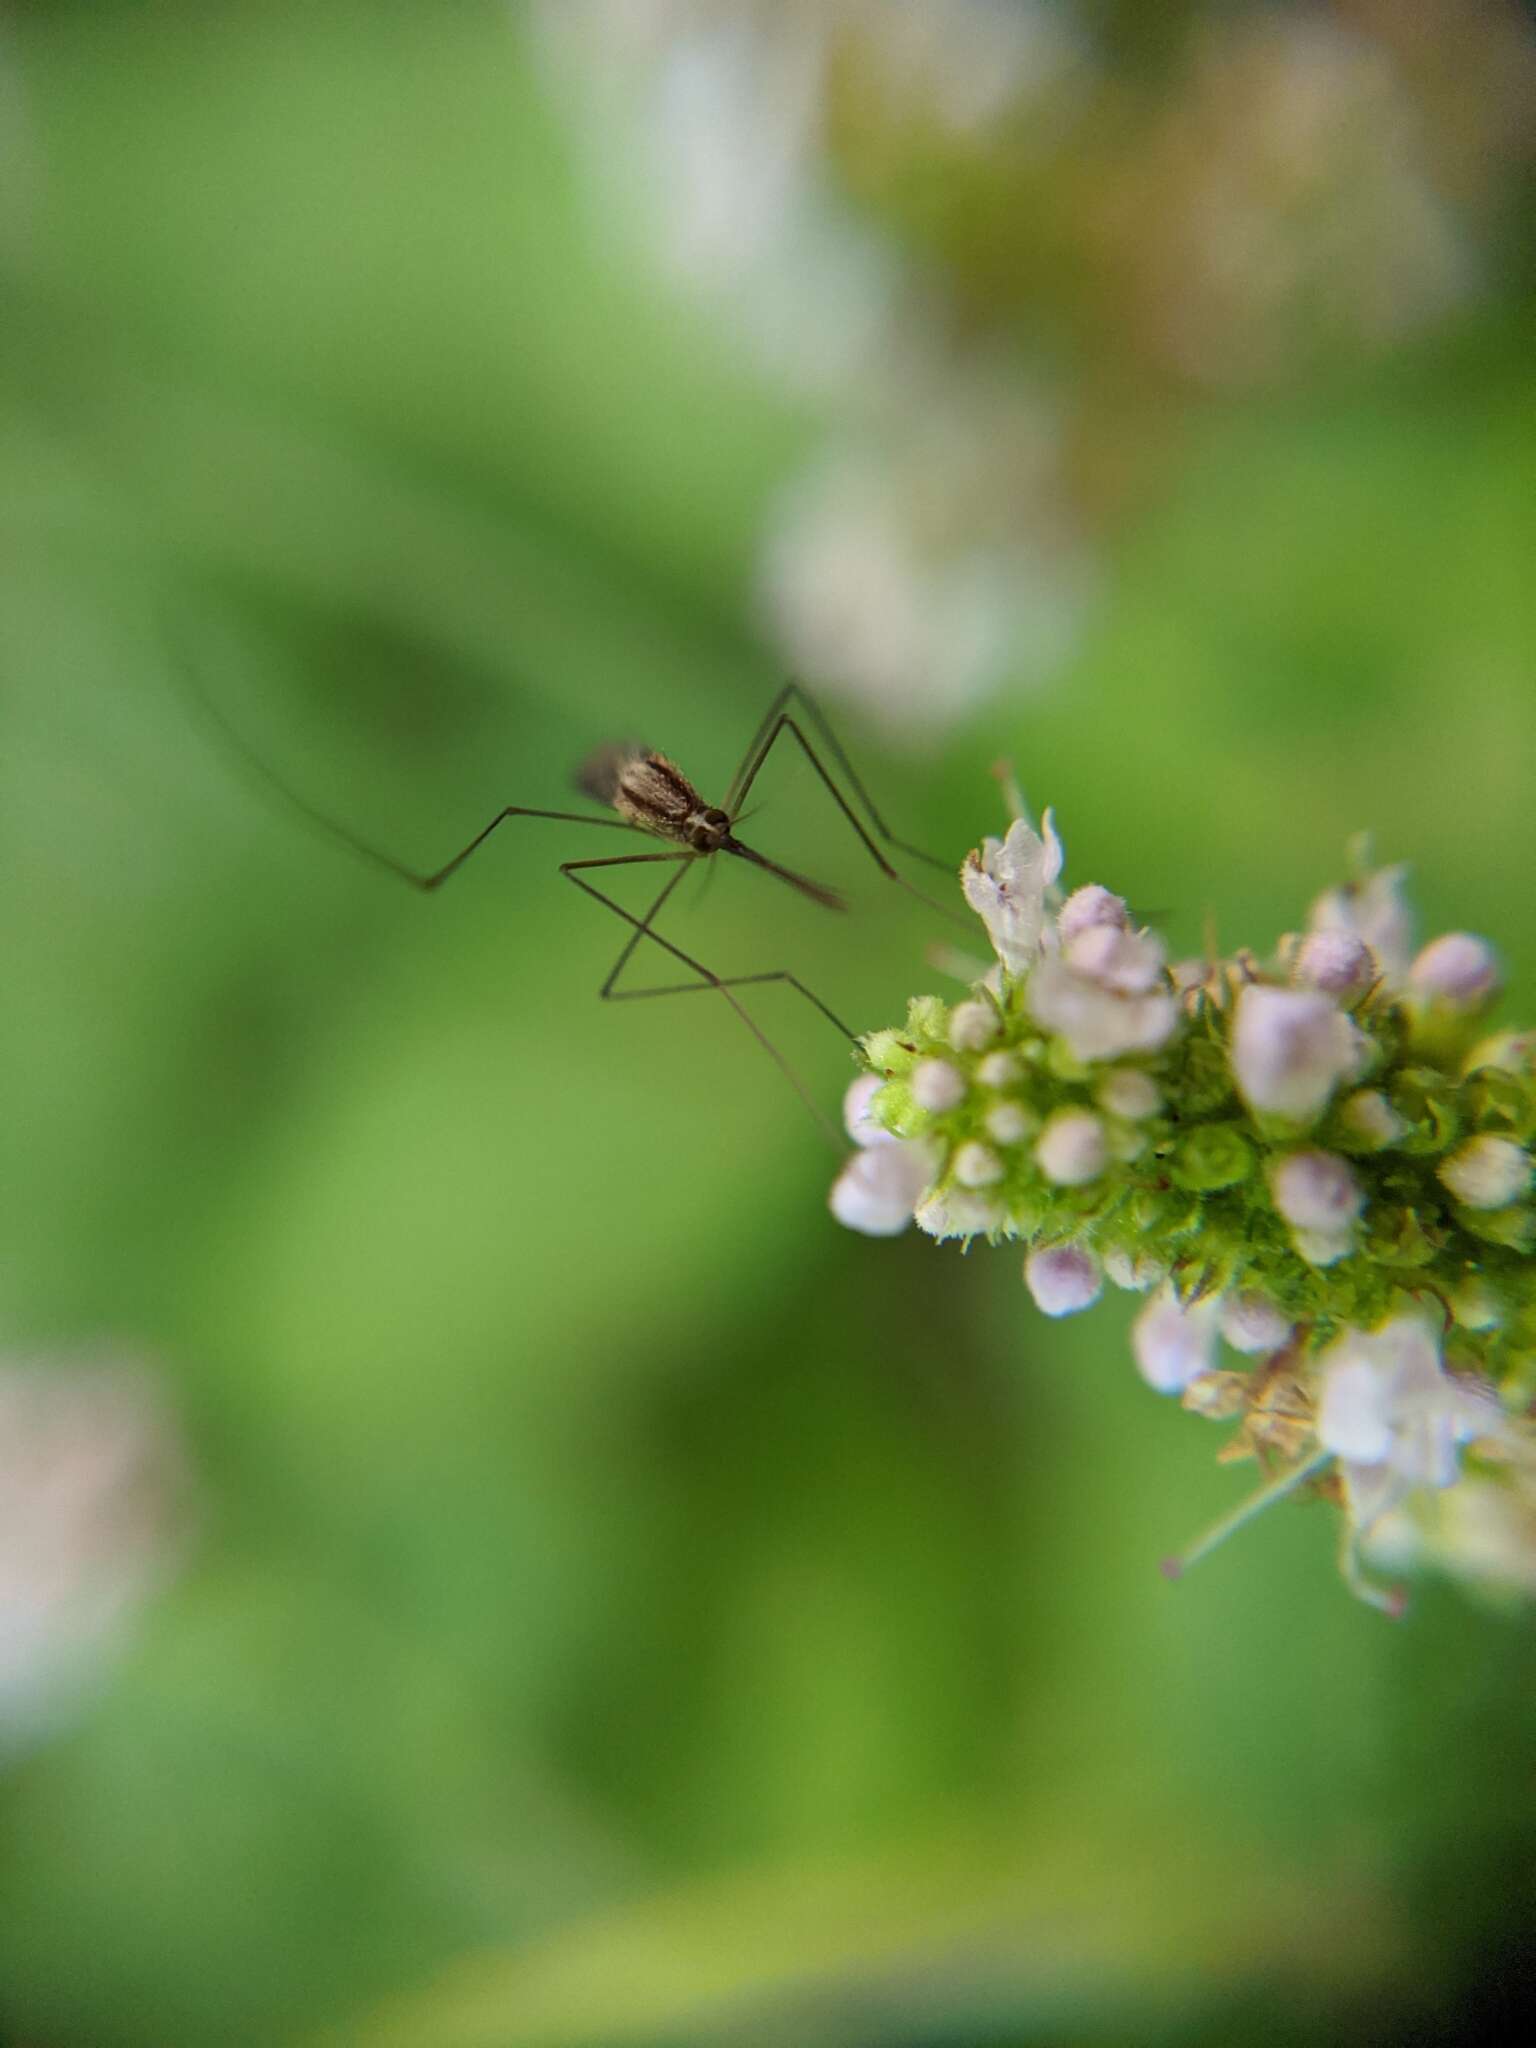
1318	1157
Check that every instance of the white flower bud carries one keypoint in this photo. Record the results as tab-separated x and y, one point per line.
999	1070
1339	963
1512	1052
977	1166
1127	1092
1093	904
1252	1324
937	1086
1071	1149
857	1121
1135	1275
1316	1191
1456	969
1371	1117
973	1025
1291	1048
1063	1280
1009	1123
877	1188
1174	1342
1487	1172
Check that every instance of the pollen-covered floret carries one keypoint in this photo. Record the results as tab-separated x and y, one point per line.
1321	1158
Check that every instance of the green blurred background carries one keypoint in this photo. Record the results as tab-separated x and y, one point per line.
619	1606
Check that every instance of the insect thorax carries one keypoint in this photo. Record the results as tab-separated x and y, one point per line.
653	793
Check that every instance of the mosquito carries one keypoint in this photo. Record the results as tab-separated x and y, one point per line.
649	794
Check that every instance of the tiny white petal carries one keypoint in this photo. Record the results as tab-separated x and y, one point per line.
1008	1123
1291	1048
1063	1279
1071	1148
1127	1092
1174	1342
1487	1172
1354	1415
977	1166
1252	1324
1457	968
937	1086
973	1025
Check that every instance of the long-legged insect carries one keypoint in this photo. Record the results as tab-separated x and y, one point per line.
650	794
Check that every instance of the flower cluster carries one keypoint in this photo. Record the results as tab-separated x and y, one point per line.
1321	1160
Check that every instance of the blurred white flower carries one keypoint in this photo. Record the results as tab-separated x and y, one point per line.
1253	1325
886	579
92	1489
1298	211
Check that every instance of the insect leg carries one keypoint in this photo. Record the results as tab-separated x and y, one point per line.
574	871
425	880
763	739
784	723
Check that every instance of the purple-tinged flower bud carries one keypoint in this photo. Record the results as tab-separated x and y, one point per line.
999	1070
1063	1279
1487	1172
1173	1342
1091	905
1456	969
1127	1092
1252	1324
1291	1048
977	1166
877	1189
1128	963
1071	1149
1316	1191
1339	963
1375	910
973	1025
858	1123
937	1086
1009	1123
